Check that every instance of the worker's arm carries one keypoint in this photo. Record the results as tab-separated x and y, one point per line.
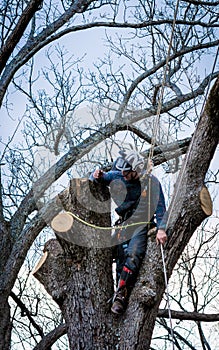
100	176
161	215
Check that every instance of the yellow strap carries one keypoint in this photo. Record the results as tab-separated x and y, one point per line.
105	227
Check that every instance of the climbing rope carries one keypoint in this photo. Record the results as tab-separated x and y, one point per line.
153	142
160	101
173	203
151	152
174	200
167	294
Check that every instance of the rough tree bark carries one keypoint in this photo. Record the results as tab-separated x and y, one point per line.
5	322
185	216
80	278
78	269
15	240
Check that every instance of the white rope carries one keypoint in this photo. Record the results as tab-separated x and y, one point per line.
174	199
167	294
153	142
160	101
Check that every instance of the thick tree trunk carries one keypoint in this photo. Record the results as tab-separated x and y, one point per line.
78	271
185	215
5	322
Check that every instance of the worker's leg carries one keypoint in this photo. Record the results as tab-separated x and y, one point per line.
121	258
136	249
132	259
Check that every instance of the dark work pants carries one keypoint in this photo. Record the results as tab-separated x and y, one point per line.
130	253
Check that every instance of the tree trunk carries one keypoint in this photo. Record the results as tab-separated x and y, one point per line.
78	271
185	215
5	322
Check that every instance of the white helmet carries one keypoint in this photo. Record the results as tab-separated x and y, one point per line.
130	161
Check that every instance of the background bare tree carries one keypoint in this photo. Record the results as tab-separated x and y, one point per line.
193	290
77	108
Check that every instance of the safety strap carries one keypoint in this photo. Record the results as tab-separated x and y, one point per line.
106	227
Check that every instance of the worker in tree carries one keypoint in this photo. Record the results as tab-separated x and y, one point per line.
139	199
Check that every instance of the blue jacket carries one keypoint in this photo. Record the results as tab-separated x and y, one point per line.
136	200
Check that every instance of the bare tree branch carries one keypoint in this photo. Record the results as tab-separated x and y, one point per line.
200	3
189	316
43	39
18	31
50	339
27	313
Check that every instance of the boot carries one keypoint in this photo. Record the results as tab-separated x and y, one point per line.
125	285
120	301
